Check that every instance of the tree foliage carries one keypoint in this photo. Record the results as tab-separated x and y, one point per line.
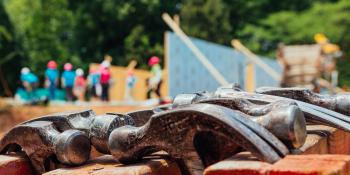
33	32
290	27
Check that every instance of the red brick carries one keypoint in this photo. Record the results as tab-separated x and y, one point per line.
242	163
314	159
106	165
311	165
314	144
14	165
338	142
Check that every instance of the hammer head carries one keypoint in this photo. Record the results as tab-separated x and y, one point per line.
287	123
343	103
40	140
72	147
103	125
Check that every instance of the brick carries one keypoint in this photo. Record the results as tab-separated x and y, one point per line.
106	165
311	165
338	142
14	165
243	163
314	144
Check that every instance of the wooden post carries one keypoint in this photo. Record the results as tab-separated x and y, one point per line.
177	19
250	77
256	60
165	87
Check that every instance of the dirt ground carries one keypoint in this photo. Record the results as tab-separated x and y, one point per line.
10	115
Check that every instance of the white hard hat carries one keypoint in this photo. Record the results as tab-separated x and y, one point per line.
105	63
25	70
79	72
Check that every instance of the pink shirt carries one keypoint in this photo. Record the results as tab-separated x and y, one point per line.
80	81
105	76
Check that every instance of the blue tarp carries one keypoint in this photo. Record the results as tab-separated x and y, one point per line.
188	75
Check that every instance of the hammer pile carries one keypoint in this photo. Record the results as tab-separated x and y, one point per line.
196	130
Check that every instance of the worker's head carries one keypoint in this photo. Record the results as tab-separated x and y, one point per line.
68	67
105	64
108	58
79	72
52	64
153	60
92	70
130	72
25	70
320	38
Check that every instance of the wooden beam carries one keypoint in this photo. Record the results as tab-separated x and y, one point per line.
255	59
250	77
199	55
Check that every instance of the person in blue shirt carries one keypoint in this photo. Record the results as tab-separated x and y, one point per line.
51	78
30	82
94	83
68	77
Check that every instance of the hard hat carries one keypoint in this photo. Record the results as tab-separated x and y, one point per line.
79	72
105	64
25	70
330	48
52	64
68	66
153	60
320	38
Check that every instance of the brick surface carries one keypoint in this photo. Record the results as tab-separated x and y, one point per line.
106	165
14	165
315	144
321	140
311	165
338	142
242	163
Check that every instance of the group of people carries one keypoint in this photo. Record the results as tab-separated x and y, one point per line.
96	84
73	82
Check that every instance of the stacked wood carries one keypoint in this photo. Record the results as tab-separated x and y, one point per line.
300	64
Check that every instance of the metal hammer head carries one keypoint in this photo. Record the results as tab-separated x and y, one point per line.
103	125
72	147
176	130
343	103
282	118
287	123
40	140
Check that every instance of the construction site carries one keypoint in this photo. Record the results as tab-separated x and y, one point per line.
203	107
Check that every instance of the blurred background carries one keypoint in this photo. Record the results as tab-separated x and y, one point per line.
32	32
139	60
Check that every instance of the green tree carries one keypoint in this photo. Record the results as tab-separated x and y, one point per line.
122	29
35	31
43	29
206	19
289	27
9	55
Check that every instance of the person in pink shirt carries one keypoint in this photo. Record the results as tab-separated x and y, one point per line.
79	85
105	78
